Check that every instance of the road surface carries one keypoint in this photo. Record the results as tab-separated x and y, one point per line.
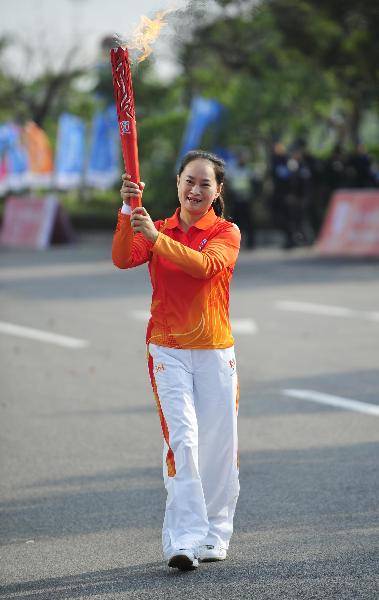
82	497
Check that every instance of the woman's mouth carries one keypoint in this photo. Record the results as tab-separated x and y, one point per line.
193	200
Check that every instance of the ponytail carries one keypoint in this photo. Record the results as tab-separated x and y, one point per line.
218	206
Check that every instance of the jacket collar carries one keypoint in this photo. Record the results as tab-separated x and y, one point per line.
204	223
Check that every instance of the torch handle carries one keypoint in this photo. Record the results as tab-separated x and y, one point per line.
130	156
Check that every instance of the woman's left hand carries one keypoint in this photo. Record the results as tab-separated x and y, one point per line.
141	223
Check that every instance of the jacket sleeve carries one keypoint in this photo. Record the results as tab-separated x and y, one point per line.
129	250
220	252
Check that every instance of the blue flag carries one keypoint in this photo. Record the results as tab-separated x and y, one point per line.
104	167
204	111
7	135
69	158
15	157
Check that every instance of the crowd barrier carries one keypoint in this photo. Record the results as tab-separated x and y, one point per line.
35	222
351	225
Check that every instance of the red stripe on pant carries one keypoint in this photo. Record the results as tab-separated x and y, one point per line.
237	406
170	460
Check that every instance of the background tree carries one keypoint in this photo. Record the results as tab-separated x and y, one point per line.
286	65
339	39
45	96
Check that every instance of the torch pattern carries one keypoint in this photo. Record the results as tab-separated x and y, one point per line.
123	91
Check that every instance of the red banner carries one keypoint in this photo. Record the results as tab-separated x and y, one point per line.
351	225
34	222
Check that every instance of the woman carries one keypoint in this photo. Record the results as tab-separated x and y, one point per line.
192	365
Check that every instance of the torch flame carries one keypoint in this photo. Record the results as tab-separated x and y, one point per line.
146	33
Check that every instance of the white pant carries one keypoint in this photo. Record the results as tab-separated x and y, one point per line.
197	397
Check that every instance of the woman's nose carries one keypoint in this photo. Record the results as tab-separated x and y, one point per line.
195	189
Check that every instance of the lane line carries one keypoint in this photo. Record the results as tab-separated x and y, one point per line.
42	336
337	401
326	310
244	326
9	274
239	326
141	315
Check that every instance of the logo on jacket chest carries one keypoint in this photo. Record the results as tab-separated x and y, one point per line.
202	244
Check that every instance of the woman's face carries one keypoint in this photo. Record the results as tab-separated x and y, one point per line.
197	187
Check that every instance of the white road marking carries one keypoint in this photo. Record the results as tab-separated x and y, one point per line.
244	326
42	336
239	326
345	403
326	310
8	274
141	315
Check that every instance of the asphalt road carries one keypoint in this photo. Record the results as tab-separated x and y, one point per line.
82	497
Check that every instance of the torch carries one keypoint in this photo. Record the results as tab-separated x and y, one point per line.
146	33
123	91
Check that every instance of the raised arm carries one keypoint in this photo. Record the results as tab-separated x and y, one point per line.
219	253
129	249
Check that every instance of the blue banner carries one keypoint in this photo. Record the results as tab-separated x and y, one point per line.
70	154
104	161
204	111
15	156
7	135
18	158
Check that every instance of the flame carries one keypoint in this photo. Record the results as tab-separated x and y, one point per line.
146	33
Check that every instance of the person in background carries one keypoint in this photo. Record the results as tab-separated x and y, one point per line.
300	165
279	205
240	195
192	364
335	169
359	170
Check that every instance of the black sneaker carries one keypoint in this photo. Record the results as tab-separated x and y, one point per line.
184	560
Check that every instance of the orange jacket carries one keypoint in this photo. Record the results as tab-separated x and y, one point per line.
190	274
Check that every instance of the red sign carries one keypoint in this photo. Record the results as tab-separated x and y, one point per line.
351	225
32	222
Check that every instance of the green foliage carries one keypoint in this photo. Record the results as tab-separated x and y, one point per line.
159	144
283	68
339	39
286	66
40	99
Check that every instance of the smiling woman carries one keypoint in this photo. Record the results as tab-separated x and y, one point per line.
200	182
192	365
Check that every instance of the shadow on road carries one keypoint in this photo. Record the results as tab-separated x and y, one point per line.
102	503
279	489
317	578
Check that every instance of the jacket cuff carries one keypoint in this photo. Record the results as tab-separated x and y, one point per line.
126	210
158	242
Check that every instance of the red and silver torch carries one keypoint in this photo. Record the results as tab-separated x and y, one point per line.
145	34
123	91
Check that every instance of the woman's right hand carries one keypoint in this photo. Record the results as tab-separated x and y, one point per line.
129	189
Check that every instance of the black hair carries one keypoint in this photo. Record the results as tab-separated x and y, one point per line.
219	170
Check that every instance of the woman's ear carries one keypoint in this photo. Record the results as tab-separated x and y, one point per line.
177	180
